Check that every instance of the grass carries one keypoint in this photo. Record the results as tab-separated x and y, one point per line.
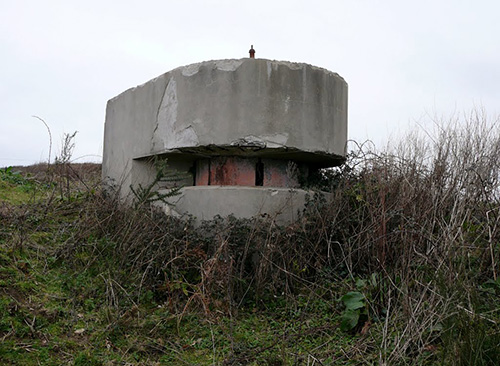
12	194
400	267
59	310
52	315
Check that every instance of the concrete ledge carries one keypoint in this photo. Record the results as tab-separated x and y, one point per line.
205	202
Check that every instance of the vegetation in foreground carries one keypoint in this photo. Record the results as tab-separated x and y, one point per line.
399	266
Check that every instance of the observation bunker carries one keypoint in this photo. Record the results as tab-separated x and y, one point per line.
246	133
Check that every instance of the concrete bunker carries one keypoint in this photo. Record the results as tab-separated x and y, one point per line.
248	133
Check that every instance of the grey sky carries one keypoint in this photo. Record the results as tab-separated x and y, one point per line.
403	60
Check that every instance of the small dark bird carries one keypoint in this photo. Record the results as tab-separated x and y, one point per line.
252	52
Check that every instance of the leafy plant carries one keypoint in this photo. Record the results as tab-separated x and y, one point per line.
355	305
16	178
150	193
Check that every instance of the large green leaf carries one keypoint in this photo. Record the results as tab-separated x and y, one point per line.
350	319
353	300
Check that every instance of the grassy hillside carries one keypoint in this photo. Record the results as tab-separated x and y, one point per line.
399	267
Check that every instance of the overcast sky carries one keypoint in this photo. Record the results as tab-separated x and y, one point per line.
403	60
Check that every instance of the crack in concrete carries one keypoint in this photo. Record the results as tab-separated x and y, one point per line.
158	111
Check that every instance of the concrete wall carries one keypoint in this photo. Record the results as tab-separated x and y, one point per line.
205	202
246	105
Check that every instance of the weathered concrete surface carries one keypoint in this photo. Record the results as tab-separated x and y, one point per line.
250	107
205	202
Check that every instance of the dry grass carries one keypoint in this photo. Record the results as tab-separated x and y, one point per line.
414	228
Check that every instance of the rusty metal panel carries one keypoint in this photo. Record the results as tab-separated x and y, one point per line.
278	173
202	172
237	171
232	171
